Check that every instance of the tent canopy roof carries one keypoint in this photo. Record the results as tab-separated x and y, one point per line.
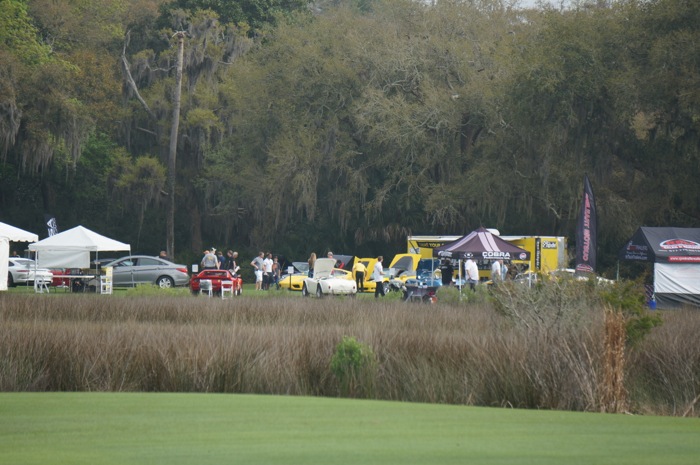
15	234
79	238
481	244
663	244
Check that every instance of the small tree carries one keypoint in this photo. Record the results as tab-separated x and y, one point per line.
354	364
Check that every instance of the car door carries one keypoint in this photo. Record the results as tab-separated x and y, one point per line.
122	272
146	270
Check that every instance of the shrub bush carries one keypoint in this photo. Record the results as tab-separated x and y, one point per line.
354	365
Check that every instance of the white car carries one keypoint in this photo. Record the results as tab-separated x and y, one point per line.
324	282
22	271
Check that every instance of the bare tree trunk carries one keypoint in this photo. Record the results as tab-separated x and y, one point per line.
172	155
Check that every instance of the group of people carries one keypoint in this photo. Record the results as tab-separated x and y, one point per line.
266	268
267	271
214	260
499	272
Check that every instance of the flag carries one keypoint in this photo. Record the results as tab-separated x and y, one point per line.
586	237
51	224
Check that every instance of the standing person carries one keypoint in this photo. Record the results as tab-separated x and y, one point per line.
164	255
228	262
220	258
267	271
378	276
235	267
257	263
312	261
359	271
446	271
504	270
276	272
471	272
209	261
496	272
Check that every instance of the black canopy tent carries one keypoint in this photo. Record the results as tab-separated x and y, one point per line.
480	244
675	253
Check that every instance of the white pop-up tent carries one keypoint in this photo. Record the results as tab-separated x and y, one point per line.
9	234
72	248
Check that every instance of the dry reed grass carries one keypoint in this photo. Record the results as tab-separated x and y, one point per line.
446	353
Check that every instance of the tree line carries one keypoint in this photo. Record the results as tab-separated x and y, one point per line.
348	124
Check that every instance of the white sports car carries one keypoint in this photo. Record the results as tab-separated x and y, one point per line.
324	282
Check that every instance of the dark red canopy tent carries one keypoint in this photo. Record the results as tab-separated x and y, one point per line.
481	244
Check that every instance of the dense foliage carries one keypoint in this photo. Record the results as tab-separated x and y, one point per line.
348	125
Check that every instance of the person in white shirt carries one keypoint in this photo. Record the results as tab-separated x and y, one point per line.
471	272
267	270
378	277
496	268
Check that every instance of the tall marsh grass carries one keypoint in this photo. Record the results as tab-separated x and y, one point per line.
459	352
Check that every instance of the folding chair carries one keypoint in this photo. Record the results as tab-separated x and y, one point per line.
41	286
226	287
106	281
205	286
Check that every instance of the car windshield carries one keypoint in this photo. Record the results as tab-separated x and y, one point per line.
404	263
428	264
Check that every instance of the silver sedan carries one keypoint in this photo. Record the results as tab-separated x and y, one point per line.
143	269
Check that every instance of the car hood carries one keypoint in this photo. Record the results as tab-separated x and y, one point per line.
323	267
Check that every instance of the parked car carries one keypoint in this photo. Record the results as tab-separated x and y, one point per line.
23	271
410	266
328	281
216	276
143	269
295	281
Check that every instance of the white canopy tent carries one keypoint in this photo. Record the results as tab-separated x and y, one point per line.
9	234
71	248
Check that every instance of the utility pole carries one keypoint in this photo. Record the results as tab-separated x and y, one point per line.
172	155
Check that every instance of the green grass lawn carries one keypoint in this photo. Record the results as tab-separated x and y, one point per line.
136	428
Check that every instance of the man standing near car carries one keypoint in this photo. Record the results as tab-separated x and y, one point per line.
359	270
378	277
209	261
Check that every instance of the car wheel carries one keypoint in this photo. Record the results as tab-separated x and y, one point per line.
165	282
10	281
387	287
319	292
304	290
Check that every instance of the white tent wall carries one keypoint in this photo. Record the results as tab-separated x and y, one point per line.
4	255
63	259
676	284
10	233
